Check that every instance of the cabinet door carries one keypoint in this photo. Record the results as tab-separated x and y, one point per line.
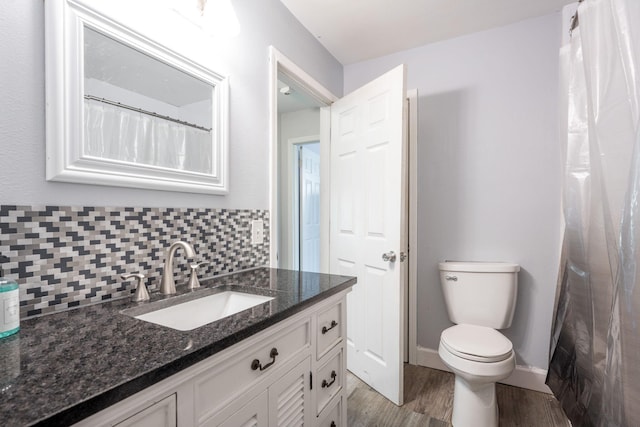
290	398
253	414
160	414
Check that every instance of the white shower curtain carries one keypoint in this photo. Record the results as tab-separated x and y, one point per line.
115	133
595	356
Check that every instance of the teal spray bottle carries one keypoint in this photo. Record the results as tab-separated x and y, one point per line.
9	307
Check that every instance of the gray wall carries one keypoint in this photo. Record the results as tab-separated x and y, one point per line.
244	58
489	166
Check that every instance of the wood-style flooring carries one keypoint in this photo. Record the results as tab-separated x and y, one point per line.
428	396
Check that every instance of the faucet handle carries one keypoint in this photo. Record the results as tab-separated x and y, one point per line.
193	278
198	265
141	294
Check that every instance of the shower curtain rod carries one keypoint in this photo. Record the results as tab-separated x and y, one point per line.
149	113
574	20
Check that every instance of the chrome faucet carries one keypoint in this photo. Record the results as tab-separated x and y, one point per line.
167	284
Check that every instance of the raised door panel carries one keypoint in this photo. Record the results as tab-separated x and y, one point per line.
345	168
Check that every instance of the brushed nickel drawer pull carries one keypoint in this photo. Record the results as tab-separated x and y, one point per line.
326	384
333	325
257	365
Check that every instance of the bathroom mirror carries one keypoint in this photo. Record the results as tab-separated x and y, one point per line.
124	110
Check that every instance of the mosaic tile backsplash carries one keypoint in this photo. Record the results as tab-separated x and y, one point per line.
64	257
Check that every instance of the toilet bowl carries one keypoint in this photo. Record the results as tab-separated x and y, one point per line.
479	357
480	298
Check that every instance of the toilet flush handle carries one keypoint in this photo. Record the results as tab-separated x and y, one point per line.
451	278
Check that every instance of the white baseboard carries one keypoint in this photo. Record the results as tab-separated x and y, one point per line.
528	377
430	359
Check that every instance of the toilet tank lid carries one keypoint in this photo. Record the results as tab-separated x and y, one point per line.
479	267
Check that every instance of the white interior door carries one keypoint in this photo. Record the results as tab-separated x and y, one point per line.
309	209
368	214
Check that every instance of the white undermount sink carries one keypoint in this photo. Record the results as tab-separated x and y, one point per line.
198	312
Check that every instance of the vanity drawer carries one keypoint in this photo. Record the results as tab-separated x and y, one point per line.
330	326
332	416
225	381
329	380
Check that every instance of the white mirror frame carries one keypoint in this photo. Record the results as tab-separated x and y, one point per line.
65	21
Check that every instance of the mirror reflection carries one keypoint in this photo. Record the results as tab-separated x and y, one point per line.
140	110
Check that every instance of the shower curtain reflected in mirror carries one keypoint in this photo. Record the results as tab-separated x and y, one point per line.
121	135
595	351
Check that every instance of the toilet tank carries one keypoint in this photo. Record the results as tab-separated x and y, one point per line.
480	293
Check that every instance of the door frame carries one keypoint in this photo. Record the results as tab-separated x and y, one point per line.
411	301
280	63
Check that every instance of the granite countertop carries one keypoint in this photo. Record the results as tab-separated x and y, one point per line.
64	367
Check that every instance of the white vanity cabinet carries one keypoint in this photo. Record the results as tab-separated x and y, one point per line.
290	374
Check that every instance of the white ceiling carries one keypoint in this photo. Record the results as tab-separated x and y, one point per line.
356	30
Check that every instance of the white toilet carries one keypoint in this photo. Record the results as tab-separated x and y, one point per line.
480	298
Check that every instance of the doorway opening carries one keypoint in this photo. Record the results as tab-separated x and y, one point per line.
300	127
306	206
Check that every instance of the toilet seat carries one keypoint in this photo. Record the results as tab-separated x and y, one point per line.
476	343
